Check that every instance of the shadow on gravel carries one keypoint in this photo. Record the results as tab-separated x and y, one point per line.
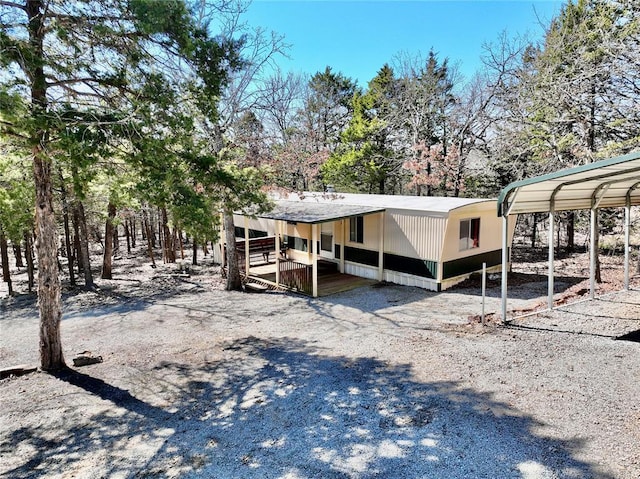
22	306
282	409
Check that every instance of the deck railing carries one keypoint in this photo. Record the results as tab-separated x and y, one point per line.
296	276
261	251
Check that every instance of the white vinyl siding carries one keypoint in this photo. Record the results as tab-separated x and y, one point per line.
414	236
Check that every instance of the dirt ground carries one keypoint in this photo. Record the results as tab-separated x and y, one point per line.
380	382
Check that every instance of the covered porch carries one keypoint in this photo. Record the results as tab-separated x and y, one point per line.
299	279
309	248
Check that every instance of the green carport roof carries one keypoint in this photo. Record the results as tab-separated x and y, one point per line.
605	183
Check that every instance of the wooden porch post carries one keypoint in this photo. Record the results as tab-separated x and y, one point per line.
278	230
314	256
247	256
381	247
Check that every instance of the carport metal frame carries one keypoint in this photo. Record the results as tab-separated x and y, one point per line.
611	183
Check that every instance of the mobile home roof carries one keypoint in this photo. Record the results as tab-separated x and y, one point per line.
435	204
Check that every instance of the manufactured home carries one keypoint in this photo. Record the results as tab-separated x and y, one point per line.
428	242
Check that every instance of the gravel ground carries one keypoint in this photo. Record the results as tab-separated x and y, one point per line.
383	381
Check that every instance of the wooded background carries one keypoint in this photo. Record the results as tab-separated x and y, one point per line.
155	120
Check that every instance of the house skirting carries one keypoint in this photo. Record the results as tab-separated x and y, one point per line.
395	277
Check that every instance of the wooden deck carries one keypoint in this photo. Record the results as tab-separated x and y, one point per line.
329	282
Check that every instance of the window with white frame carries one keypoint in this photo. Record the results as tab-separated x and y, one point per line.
469	234
356	229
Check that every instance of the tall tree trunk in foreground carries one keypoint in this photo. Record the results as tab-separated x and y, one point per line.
234	281
49	291
108	242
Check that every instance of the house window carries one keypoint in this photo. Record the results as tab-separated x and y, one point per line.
296	243
356	229
469	234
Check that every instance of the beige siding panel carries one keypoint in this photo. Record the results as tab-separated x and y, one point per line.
414	236
259	224
370	233
490	232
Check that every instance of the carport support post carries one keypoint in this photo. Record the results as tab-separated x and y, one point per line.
551	256
381	248
505	260
627	241
278	230
343	235
314	255
594	249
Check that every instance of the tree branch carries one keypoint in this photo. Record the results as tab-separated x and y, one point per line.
8	128
4	3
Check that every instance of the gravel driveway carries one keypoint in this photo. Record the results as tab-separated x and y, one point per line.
383	381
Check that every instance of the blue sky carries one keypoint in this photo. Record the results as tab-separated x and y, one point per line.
358	37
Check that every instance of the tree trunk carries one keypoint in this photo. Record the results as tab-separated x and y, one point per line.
127	235
84	246
67	233
234	281
28	254
534	230
144	226
75	218
17	254
571	231
4	255
179	235
49	291
116	239
194	258
161	238
108	242
133	232
149	240
167	242
152	228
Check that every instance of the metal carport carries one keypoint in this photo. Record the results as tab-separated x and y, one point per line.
602	184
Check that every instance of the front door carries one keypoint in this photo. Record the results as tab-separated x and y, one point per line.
326	241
